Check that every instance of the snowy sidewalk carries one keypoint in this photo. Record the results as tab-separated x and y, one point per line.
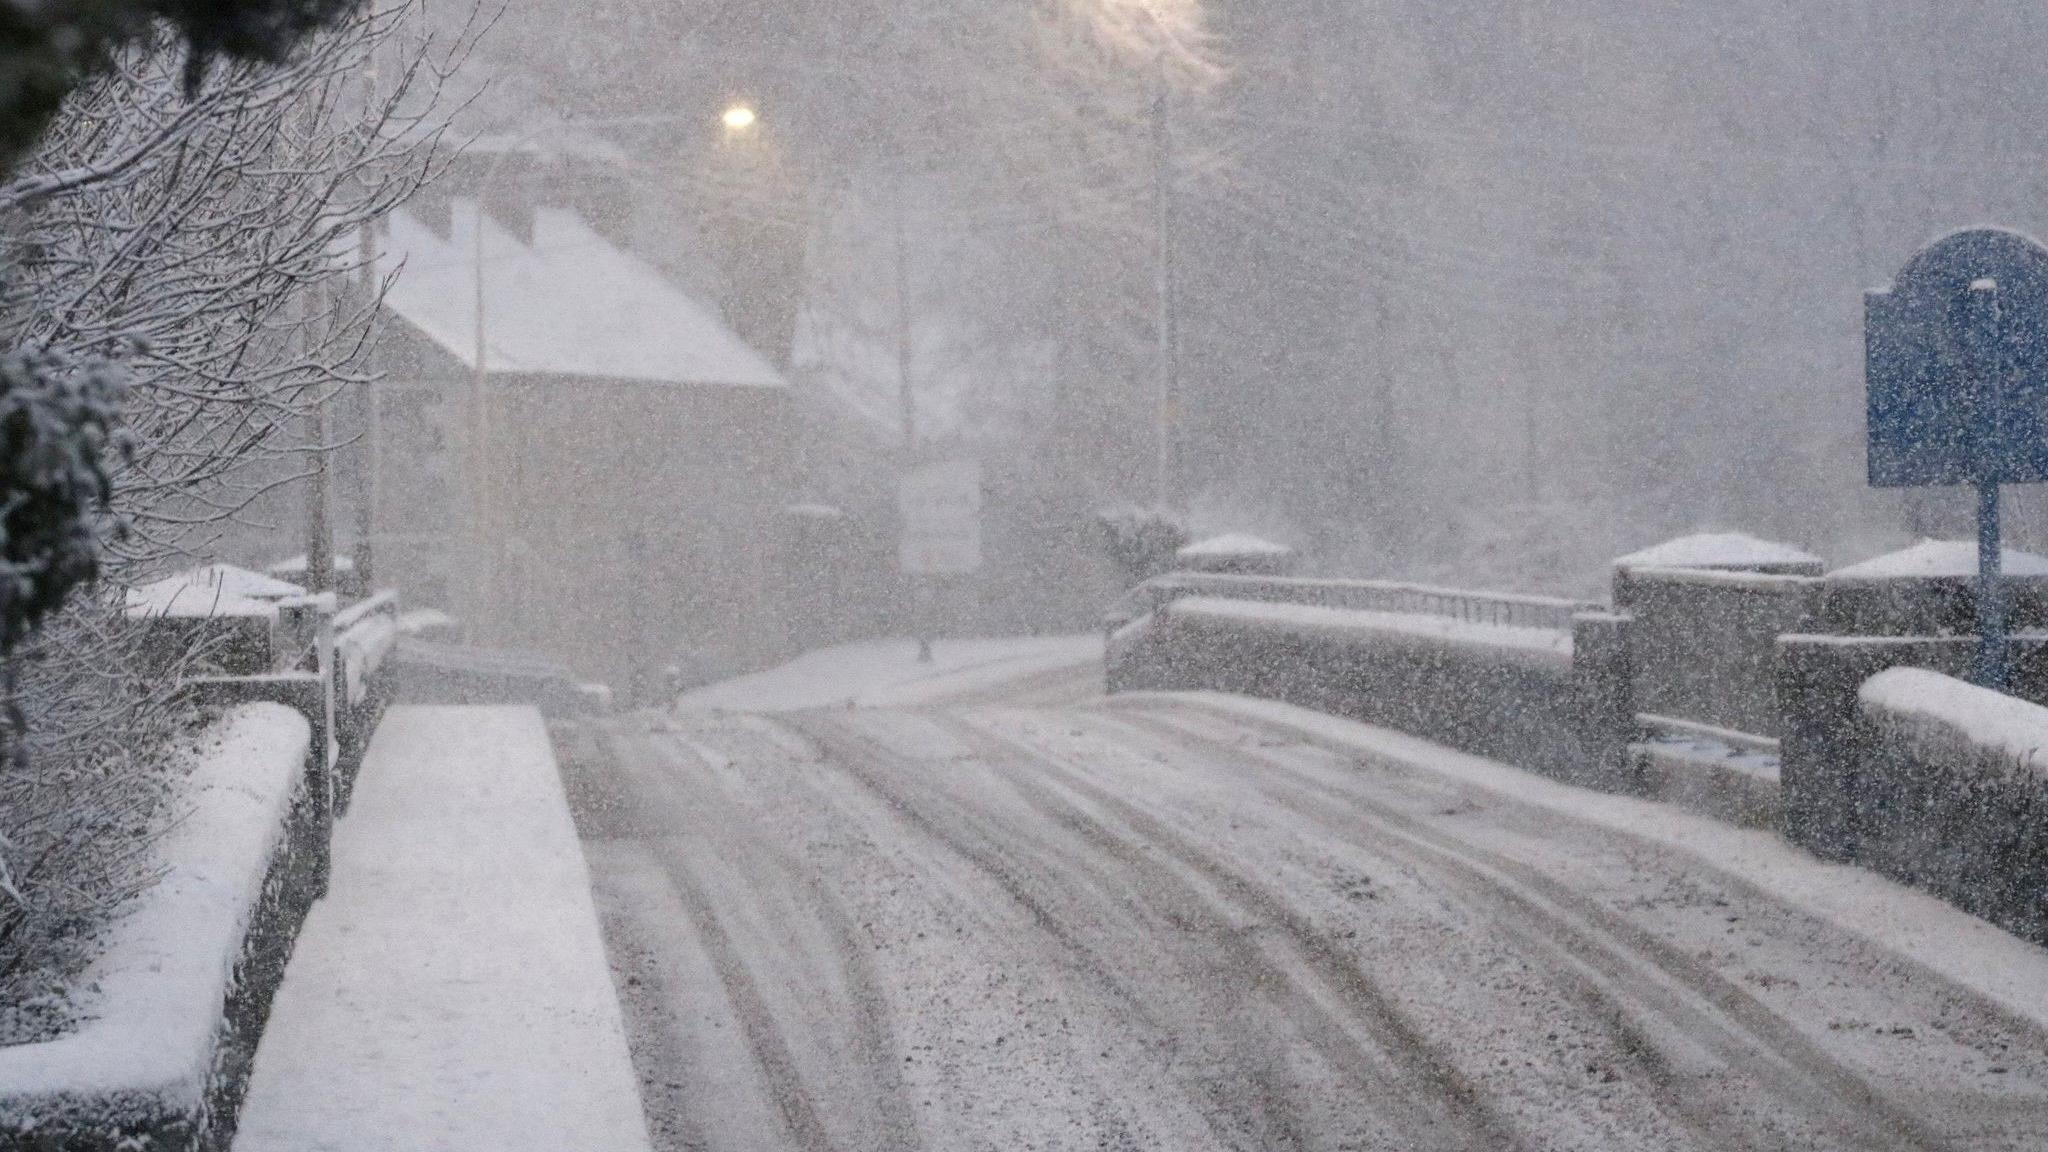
886	674
452	991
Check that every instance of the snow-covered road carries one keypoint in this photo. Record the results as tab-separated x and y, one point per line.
1172	923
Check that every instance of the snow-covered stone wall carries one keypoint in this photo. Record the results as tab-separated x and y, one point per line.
186	977
1955	794
1510	693
1826	800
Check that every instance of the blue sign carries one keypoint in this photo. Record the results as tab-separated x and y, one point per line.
1956	365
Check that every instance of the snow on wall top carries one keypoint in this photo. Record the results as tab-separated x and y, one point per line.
1951	721
1716	550
1939	559
1235	544
169	962
569	304
212	590
1545	646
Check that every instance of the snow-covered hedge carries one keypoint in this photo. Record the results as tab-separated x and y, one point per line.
1955	783
1506	692
186	976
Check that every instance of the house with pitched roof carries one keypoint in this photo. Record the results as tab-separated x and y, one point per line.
573	454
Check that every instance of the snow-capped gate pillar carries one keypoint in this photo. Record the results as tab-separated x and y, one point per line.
1603	675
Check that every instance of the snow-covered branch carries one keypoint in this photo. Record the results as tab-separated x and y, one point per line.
193	224
217	234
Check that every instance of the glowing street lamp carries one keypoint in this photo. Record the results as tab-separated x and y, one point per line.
739	118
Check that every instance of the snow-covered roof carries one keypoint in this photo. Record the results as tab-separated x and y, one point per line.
212	590
547	142
570	304
1939	559
1717	550
1235	544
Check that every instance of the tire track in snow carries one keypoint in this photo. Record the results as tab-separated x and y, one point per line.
1622	974
647	973
1068	1097
708	813
1018	868
1212	727
1053	688
1347	1020
1426	1072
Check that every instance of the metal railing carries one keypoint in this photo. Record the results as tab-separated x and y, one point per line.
382	604
364	634
1500	609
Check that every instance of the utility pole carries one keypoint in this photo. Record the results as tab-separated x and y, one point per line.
906	394
319	534
1531	481
1162	182
370	486
370	476
906	352
481	573
319	538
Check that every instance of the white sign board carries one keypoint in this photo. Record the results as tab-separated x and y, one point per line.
940	505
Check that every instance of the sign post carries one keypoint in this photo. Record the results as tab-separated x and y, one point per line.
940	508
1956	366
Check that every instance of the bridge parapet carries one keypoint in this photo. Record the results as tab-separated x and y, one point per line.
1801	742
1502	609
1511	691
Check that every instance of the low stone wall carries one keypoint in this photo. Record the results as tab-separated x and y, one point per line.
1509	693
1955	795
1829	804
195	1105
304	693
296	878
364	682
1902	605
1508	609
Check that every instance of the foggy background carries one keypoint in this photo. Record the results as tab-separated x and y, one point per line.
1468	291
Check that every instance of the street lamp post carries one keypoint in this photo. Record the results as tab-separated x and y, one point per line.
482	560
1162	184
